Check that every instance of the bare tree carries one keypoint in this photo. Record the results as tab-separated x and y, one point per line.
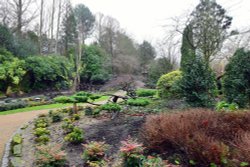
107	40
4	12
41	27
58	24
99	27
20	14
52	26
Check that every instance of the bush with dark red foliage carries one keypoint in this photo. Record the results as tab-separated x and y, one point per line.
204	136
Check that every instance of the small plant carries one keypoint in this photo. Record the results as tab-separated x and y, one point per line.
82	93
224	106
50	113
146	92
111	107
88	111
68	127
50	156
76	136
80	97
138	102
17	139
41	122
95	97
64	99
131	152
151	161
94	151
56	117
76	117
43	139
41	131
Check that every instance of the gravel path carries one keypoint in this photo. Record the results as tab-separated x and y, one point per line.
10	123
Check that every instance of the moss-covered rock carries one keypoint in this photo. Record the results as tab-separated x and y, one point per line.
17	150
16	162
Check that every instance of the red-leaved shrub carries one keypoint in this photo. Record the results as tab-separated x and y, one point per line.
243	147
202	135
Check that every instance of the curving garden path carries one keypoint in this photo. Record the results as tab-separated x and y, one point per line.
10	123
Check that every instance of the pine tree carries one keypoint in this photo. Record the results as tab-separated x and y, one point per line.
187	48
237	78
198	83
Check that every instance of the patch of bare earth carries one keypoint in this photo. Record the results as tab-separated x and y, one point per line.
96	129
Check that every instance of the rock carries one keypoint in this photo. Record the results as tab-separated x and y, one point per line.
17	150
16	162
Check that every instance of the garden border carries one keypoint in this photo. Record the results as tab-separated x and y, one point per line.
7	148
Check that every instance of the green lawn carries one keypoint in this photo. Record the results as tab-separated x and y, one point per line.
45	107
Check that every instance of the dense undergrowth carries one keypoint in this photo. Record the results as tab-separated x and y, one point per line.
200	136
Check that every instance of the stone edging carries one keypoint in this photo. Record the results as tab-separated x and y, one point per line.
6	154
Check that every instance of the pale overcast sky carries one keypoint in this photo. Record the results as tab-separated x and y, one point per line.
143	19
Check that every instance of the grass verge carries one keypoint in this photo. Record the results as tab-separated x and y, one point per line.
45	107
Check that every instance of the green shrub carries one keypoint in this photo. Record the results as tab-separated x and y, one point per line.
76	117
43	139
64	99
111	107
132	153
95	97
236	80
153	162
41	122
88	111
138	102
41	131
197	84
13	105
56	117
50	113
12	72
76	136
68	127
95	60
50	156
94	151
82	93
17	139
41	125
167	85
224	106
145	92
80	99
53	72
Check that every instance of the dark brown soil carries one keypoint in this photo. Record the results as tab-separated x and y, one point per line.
96	129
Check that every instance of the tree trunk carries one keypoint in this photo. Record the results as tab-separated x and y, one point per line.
52	26
41	28
19	17
58	25
75	108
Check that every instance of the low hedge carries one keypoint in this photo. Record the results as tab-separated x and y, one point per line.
138	102
146	92
13	105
